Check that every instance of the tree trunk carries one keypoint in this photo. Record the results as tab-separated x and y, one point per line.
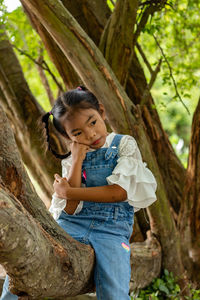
117	39
68	74
23	111
44	80
27	227
170	167
91	15
189	219
122	114
152	140
71	261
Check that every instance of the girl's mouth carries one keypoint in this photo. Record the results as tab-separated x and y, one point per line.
96	142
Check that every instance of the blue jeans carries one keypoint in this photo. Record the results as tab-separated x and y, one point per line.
107	228
6	294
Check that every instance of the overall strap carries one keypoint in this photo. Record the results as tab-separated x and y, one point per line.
116	140
113	149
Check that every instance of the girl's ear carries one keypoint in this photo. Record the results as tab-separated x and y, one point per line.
102	111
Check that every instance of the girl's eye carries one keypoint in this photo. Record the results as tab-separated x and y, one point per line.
93	122
78	133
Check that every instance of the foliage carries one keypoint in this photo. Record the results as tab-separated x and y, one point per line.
195	295
111	4
163	288
176	28
24	37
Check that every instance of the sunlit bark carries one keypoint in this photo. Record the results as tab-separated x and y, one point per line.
123	116
30	238
23	111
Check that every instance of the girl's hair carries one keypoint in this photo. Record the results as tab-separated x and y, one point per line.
66	104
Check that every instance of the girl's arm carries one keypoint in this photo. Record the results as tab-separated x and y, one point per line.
74	180
74	177
78	155
107	193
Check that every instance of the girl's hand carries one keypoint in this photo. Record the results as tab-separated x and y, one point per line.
78	151
61	186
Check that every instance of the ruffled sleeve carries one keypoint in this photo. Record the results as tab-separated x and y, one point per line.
132	175
58	204
66	165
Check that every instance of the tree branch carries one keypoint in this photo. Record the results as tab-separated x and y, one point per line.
42	64
150	8
20	203
146	93
25	113
26	246
73	37
171	75
153	73
144	58
116	42
95	72
113	3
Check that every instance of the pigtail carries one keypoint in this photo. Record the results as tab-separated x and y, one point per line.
78	98
45	120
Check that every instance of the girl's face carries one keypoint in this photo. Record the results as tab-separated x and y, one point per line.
86	126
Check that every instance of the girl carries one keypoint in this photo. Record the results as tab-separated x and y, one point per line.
103	182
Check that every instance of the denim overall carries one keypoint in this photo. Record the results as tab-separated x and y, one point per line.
107	227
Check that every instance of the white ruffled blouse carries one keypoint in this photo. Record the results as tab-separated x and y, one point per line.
130	173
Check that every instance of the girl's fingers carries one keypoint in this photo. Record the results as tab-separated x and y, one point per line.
57	177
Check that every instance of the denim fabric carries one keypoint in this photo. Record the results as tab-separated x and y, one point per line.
99	164
6	294
107	227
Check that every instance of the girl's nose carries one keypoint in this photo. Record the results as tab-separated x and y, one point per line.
91	134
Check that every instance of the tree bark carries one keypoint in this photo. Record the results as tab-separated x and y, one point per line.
68	75
170	168
189	219
122	114
23	237
91	15
34	250
117	39
23	111
44	80
27	228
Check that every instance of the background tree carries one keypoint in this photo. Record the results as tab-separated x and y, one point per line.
131	108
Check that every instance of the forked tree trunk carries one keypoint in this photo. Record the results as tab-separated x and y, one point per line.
170	166
157	150
32	244
35	251
123	116
24	113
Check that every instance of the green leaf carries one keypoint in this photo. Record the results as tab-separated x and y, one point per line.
164	289
166	272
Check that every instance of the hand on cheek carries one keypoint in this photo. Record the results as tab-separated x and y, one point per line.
78	151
